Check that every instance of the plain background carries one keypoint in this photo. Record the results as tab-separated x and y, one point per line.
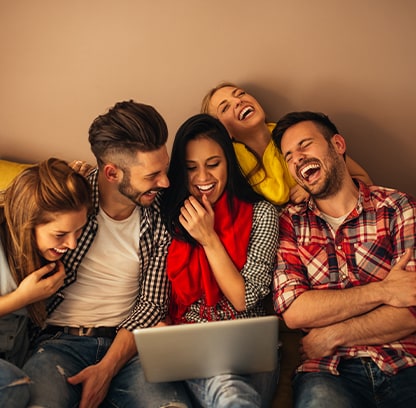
62	63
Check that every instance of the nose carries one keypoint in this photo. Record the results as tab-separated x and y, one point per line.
202	174
237	101
297	158
163	181
71	241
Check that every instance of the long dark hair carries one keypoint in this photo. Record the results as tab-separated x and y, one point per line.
237	186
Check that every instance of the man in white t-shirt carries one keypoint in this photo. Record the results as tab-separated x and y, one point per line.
116	278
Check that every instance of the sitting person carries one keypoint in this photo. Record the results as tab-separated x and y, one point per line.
42	214
346	276
260	160
222	256
116	278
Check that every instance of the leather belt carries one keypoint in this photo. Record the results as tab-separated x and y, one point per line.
109	332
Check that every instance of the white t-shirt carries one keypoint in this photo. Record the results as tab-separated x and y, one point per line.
7	283
107	279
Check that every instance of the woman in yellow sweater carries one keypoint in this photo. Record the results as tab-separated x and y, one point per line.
261	161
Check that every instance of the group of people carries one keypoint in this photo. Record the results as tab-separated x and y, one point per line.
242	207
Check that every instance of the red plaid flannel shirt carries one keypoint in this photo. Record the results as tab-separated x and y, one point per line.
364	249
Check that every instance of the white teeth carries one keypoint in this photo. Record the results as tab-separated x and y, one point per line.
245	112
61	251
206	187
309	167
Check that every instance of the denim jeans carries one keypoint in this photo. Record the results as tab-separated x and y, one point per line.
235	391
61	356
14	386
361	384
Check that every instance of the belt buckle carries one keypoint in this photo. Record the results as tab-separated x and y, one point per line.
85	331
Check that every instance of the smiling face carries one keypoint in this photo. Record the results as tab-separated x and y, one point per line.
54	238
316	164
141	182
207	169
237	110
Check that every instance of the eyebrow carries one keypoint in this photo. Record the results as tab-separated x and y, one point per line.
152	174
209	158
155	173
298	145
233	92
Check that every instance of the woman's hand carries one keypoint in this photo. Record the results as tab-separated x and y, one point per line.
39	285
298	194
35	287
198	219
81	167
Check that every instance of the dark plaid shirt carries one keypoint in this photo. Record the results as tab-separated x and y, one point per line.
257	271
364	249
152	301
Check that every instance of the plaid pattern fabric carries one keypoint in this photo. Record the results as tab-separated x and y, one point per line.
257	271
363	250
152	301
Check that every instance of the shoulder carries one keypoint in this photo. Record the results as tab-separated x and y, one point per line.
264	208
382	197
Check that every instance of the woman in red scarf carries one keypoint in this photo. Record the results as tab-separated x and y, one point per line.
223	251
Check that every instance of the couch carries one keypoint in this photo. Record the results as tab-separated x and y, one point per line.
289	360
289	338
9	170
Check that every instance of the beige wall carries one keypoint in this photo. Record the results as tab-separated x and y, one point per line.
64	62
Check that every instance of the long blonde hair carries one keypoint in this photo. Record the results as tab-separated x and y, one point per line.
31	200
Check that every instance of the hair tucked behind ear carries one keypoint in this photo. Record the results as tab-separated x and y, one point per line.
32	199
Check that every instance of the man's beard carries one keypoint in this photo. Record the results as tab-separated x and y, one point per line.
128	191
334	176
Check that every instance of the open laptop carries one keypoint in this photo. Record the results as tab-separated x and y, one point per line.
200	350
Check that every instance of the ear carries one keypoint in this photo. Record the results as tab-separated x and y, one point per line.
111	173
339	143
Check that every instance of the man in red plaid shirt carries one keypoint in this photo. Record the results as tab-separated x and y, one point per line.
346	276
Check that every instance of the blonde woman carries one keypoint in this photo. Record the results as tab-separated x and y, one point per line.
261	162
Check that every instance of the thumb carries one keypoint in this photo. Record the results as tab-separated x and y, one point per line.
75	379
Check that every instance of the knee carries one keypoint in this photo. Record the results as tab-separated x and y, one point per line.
14	386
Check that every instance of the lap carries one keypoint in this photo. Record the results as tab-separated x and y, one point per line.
359	384
14	386
59	357
226	390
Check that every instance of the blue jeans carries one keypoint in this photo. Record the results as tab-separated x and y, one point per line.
361	384
235	391
14	386
61	356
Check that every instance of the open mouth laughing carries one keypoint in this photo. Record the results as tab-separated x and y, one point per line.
245	112
205	188
151	192
60	252
308	171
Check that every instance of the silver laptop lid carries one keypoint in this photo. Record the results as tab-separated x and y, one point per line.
201	350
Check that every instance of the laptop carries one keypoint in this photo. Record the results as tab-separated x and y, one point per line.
200	350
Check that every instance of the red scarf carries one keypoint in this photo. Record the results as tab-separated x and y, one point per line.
187	265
